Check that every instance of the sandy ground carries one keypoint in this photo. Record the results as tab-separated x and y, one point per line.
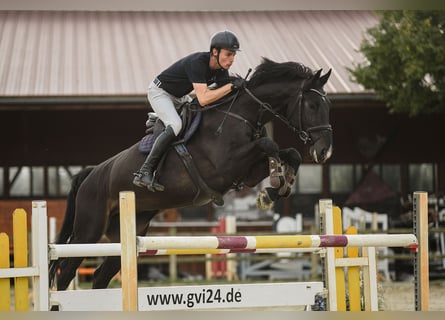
399	296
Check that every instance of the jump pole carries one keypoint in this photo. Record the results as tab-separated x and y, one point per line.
243	244
129	251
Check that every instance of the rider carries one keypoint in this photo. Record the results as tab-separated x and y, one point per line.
171	88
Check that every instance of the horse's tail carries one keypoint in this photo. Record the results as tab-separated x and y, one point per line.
68	222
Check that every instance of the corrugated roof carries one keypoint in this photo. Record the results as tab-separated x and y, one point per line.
53	53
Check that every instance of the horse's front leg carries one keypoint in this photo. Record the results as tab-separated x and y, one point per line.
267	159
291	162
255	152
269	149
283	165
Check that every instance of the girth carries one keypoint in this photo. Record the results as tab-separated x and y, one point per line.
202	189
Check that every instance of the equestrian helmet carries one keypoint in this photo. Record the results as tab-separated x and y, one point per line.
225	40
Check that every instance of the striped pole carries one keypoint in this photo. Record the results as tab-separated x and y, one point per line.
246	243
167	252
233	244
57	251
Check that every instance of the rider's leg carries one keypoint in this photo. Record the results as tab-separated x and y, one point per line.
164	106
145	175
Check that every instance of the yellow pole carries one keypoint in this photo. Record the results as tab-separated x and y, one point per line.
20	237
5	288
353	276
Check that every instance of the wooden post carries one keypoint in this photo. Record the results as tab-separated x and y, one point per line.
20	236
315	258
421	264
327	227
231	262
39	255
127	208
172	259
369	271
339	253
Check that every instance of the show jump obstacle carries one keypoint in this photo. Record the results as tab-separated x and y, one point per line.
331	244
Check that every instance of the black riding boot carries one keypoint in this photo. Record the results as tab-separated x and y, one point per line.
145	175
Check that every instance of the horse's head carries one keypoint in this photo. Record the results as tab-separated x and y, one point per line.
309	115
294	93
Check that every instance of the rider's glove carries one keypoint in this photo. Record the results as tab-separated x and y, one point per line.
238	84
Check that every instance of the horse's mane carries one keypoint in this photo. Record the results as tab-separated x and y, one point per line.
271	71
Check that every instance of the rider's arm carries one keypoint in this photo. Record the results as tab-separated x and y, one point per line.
206	96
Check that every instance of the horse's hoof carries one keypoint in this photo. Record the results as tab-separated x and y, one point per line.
277	181
264	202
54	308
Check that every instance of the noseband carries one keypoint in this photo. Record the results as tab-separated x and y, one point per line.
304	135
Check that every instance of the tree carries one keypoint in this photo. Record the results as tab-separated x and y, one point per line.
405	64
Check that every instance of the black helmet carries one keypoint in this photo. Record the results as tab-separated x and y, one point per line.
224	40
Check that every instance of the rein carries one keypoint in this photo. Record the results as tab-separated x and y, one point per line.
304	135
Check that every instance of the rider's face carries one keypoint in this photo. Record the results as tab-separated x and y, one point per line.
226	58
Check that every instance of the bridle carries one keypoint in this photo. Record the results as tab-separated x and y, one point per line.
304	134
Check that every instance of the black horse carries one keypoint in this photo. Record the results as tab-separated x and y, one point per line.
229	148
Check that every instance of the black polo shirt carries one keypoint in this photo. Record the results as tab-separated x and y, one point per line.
194	68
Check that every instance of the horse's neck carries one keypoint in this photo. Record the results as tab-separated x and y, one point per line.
256	110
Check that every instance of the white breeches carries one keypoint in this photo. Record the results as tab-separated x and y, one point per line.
165	104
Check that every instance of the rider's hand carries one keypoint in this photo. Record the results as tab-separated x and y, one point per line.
238	84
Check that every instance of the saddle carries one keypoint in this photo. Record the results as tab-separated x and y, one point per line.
190	123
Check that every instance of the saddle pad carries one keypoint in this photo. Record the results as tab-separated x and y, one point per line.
147	141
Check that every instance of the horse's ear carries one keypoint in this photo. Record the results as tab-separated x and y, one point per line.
313	81
317	75
325	78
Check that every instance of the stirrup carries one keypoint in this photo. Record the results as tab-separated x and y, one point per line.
154	185
137	180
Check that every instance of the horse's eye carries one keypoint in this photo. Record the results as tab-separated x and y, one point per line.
312	106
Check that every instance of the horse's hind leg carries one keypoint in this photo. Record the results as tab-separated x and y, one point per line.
105	272
111	265
88	228
68	267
